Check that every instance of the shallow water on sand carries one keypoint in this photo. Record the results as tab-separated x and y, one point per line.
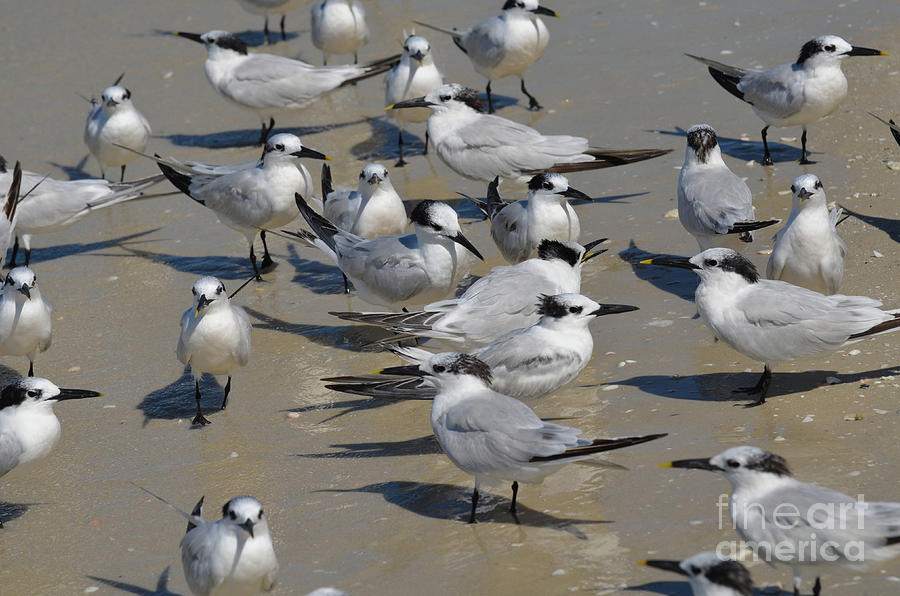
357	493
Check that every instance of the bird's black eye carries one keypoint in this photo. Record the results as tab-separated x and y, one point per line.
405	48
32	393
260	514
232	515
220	289
127	94
695	570
437	228
279	147
710	262
793	188
445	98
439	368
575	309
9	280
194	291
830	48
733	463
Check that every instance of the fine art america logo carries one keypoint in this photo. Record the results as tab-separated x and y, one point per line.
791	533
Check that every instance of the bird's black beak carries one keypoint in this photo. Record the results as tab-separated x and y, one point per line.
576	194
25	290
674	566
111	102
201	304
65	394
804	194
419	56
612	309
418	102
858	51
410	370
464	242
311	154
248	525
546	11
191	36
375	179
681	262
692	464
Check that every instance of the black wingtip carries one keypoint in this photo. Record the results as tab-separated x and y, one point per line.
495	202
744	227
180	180
198	511
324	229
728	82
327	185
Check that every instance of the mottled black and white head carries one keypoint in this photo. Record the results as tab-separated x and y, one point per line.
434	220
114	98
450	366
372	176
451	96
830	49
702	144
807	190
551	185
531	6
285	147
32	391
575	308
208	291
219	44
710	574
245	513
567	251
740	464
21	283
417	50
712	264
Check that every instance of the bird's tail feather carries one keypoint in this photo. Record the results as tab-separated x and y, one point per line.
604	158
883	327
397	388
405	322
374	68
599	445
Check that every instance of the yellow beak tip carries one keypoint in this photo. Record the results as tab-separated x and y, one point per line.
328	158
196	313
646	262
556	14
885	54
668	464
389	108
641	562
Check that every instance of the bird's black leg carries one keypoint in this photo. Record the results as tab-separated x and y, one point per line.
532	100
490	101
199	418
283	35
122	175
817	587
227	391
761	388
266	29
267	261
325	62
265	130
767	157
15	251
346	283
253	262
355	58
804	160
30	368
512	507
474	505
400	162
427	139
27	256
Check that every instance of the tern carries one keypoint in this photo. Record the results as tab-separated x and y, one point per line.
714	204
338	27
373	209
397	270
504	300
256	198
215	337
808	251
505	45
414	76
25	323
495	437
770	320
797	523
709	574
525	363
114	122
795	94
482	146
269	84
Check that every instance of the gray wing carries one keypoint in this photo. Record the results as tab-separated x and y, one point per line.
270	81
201	575
341	207
485	42
10	452
243	348
181	350
236	197
777	91
713	200
388	265
509	230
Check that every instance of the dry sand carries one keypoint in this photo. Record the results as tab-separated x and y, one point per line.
357	493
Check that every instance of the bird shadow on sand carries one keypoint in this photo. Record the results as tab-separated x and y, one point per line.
59	251
161	588
426	445
176	400
248	137
353	338
678	282
446	501
891	227
76	172
720	386
252	37
747	150
12	511
668	588
223	267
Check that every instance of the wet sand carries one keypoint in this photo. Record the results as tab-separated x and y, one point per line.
357	492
